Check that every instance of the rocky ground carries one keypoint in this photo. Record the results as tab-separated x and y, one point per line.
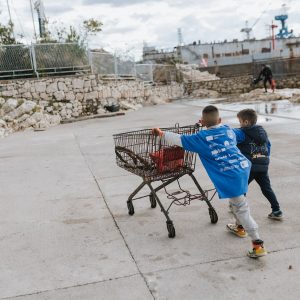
18	115
190	73
258	95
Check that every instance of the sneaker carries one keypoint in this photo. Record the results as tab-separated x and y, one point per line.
237	230
276	215
258	249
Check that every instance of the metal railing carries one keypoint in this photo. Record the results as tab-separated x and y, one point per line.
42	59
280	67
113	66
107	64
15	60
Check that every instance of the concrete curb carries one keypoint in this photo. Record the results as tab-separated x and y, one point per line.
98	116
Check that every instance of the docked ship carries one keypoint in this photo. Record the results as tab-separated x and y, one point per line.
230	57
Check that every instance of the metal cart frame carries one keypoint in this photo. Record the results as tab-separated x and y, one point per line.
151	158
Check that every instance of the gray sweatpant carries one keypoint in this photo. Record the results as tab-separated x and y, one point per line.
241	212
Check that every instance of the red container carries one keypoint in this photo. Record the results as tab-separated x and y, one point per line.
168	159
273	84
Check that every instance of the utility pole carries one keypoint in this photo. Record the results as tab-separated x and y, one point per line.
32	16
10	20
273	35
180	43
39	7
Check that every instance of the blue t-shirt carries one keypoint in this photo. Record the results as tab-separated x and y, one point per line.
227	168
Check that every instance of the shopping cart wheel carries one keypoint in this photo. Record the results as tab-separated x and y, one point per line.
152	201
171	229
130	207
213	215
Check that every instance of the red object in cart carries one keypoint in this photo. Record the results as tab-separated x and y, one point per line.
168	159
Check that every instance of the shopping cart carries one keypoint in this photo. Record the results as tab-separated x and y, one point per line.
150	157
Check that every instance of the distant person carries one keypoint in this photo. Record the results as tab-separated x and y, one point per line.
253	142
227	168
267	76
266	108
273	108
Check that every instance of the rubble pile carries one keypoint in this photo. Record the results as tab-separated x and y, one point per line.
21	114
191	73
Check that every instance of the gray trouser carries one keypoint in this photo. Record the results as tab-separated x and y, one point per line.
241	212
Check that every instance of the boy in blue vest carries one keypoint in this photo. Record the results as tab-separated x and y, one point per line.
227	168
254	144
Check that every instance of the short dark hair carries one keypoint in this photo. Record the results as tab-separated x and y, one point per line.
210	114
248	114
210	109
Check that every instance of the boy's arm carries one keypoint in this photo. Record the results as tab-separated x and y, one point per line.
169	137
173	138
187	142
240	135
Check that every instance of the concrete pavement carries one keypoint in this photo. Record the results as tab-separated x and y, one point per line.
65	232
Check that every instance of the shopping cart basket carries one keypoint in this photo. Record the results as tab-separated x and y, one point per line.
150	157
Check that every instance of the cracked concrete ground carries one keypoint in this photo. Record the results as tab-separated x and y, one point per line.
65	232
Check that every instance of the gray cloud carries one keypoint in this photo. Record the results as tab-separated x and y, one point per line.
119	30
116	2
141	17
56	9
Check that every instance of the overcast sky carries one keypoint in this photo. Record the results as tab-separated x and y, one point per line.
129	23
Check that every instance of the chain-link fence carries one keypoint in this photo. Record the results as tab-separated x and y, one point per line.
15	60
58	58
157	73
40	59
280	67
70	58
106	64
144	72
102	63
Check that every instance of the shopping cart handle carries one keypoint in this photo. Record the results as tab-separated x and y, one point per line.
198	125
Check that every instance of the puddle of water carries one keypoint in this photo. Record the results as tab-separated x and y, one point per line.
267	111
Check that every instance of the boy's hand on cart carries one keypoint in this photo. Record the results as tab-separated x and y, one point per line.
199	124
157	132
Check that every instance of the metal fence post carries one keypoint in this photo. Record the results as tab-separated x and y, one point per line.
90	59
116	65
151	71
34	60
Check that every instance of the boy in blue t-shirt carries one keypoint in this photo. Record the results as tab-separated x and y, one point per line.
227	168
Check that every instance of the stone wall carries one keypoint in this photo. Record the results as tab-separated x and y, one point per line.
238	85
78	96
45	102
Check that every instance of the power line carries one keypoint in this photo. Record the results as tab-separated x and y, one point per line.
19	22
263	12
